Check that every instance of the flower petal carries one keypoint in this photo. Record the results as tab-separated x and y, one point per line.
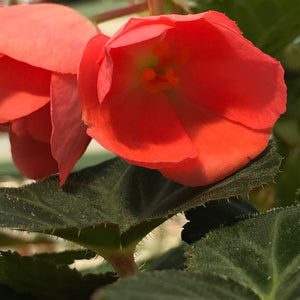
228	75
48	36
87	76
4	127
38	124
138	30
215	17
23	89
32	157
224	146
136	126
69	139
142	129
128	71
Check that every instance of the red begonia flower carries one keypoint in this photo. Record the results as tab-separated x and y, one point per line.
187	95
40	50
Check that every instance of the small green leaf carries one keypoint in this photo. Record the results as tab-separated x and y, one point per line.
175	285
261	253
66	257
172	259
112	206
36	276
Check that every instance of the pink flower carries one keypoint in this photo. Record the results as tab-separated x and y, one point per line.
187	95
40	50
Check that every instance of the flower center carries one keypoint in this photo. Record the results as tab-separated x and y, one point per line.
155	82
161	77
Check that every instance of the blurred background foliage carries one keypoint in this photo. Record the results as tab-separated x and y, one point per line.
271	25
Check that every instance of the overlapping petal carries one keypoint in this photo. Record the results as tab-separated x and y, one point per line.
139	132
38	124
5	127
32	156
215	17
69	139
133	123
23	89
48	36
223	146
87	78
234	79
138	30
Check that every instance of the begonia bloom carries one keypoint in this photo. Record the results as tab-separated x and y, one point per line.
40	50
187	95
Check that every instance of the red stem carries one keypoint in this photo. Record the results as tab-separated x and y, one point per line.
105	16
123	264
156	7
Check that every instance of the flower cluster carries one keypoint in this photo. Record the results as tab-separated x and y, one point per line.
187	95
40	50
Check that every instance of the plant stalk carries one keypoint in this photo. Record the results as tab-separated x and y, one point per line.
156	7
116	13
124	264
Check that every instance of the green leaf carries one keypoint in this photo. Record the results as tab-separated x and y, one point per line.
36	276
172	259
9	294
66	257
261	254
259	171
175	285
270	25
255	259
214	215
289	181
112	206
287	132
103	267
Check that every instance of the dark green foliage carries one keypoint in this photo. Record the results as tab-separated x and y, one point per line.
214	215
269	24
44	278
172	259
8	293
261	253
115	204
175	285
255	259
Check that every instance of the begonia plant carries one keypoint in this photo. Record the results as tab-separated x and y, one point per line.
186	104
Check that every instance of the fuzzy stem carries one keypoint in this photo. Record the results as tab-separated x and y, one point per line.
108	15
124	264
156	7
